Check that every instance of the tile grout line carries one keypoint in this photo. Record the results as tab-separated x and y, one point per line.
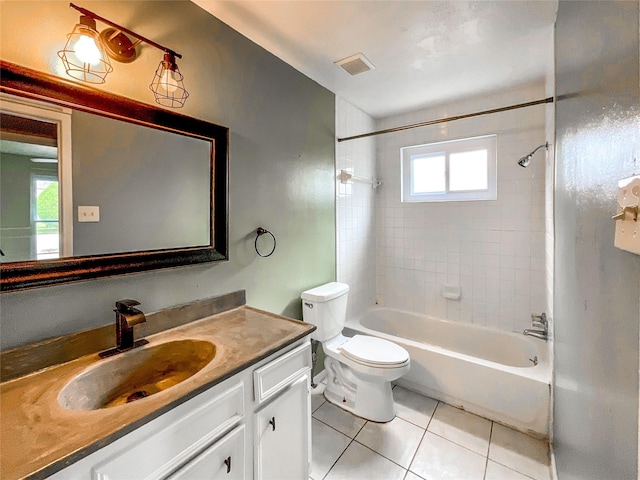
459	444
314	411
333	428
422	439
338	459
353	439
486	463
415	453
383	456
513	469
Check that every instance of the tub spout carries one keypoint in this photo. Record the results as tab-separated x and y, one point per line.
536	333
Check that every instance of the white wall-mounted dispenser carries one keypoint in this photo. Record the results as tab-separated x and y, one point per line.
627	235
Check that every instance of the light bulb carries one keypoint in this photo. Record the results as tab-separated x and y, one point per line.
169	80
87	51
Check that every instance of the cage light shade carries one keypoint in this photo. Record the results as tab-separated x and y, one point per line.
167	85
84	56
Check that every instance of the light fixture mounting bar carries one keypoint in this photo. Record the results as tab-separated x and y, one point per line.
89	13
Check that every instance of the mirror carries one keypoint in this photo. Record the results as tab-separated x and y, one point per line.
157	178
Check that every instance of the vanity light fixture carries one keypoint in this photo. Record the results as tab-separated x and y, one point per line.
86	57
167	85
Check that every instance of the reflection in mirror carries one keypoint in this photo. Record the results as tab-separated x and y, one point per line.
139	187
151	187
30	213
29	189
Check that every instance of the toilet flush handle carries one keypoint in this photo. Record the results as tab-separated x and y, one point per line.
309	305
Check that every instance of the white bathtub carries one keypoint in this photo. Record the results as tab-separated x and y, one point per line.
484	371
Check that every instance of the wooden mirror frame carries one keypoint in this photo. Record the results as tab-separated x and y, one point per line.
28	83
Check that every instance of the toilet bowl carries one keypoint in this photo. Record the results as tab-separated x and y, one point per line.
359	369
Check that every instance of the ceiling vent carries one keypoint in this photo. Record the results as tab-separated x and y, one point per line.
355	64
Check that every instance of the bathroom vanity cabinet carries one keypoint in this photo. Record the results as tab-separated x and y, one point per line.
255	424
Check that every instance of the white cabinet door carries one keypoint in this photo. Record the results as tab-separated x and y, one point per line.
222	460
283	434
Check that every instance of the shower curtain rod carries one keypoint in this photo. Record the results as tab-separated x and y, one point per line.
448	119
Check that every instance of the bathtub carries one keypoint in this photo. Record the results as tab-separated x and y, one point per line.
487	372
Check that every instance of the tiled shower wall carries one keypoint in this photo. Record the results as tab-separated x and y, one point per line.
493	250
355	204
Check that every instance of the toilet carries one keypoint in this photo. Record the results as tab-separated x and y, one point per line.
359	369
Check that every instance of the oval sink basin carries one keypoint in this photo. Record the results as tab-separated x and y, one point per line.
136	374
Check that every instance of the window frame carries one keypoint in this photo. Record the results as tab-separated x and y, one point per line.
447	147
35	178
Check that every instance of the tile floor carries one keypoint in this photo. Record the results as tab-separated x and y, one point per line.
428	440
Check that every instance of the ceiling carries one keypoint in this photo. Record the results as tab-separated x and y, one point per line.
425	52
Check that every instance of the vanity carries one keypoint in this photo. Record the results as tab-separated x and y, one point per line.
245	414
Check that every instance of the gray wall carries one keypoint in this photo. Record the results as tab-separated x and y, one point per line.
281	164
152	187
596	291
15	198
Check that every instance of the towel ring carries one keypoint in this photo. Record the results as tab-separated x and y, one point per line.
261	231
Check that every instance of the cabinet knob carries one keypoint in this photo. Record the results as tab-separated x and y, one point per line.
272	422
227	462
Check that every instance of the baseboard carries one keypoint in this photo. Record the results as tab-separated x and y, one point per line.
319	377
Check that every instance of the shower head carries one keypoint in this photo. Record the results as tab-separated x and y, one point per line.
524	161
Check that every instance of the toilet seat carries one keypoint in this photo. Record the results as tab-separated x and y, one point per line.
374	352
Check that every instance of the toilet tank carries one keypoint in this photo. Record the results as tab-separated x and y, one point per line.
326	308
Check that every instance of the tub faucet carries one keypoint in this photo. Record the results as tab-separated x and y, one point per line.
536	333
126	318
541	326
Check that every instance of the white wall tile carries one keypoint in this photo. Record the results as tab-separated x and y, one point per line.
479	244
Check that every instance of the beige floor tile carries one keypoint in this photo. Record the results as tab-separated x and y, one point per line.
413	407
463	428
439	459
327	446
339	419
495	471
360	463
397	440
317	401
520	452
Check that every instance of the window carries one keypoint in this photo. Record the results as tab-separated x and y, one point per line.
455	170
44	216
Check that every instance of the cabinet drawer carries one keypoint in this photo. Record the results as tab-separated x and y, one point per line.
222	460
275	375
169	448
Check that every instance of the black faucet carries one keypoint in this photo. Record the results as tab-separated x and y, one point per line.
126	318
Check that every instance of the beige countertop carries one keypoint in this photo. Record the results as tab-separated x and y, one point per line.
39	437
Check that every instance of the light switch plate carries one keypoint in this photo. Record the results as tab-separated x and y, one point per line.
88	214
627	235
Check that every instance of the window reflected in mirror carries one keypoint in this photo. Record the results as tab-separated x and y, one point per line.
44	219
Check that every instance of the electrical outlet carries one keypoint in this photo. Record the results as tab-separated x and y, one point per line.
88	214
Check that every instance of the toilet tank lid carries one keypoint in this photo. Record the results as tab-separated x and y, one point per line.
325	292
